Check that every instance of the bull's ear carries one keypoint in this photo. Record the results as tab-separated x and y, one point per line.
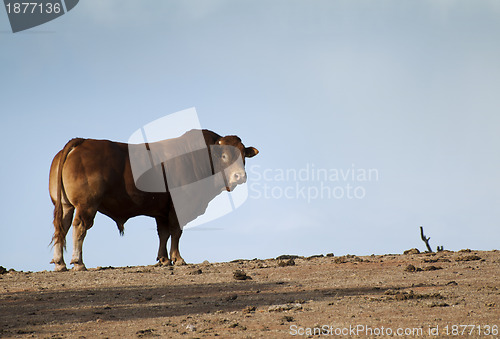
251	152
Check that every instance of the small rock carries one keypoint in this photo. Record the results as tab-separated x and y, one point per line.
279	308
412	251
340	260
231	297
410	295
148	332
191	328
240	275
315	256
196	272
429	260
286	257
410	268
289	262
439	304
249	309
468	258
284	307
432	268
3	270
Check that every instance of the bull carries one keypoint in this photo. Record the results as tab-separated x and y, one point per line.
89	176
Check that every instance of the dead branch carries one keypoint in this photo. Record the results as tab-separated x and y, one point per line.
425	239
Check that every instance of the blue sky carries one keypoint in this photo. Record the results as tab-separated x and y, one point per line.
409	89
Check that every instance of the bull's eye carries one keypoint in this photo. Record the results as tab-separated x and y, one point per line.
224	157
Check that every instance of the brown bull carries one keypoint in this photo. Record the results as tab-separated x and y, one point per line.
89	176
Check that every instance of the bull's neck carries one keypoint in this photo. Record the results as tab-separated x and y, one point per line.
185	162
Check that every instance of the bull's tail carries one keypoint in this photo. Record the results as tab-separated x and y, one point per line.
59	233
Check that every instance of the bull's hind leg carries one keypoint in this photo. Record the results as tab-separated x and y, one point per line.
58	258
84	219
163	234
175	232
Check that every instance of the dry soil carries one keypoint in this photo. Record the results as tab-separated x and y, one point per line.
417	295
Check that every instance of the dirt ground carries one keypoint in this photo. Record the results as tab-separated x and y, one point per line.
416	295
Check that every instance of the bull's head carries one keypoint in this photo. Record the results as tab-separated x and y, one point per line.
228	156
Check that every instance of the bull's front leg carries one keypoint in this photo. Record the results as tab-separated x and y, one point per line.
175	232
163	235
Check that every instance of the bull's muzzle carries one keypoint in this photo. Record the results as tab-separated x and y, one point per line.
236	179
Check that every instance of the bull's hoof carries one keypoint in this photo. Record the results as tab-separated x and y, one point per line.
60	265
164	261
60	268
178	262
79	267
